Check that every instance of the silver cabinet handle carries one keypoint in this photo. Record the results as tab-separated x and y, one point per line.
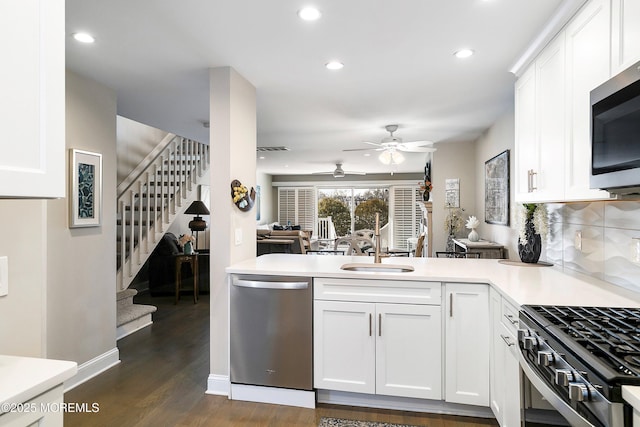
451	304
379	324
532	175
529	181
262	284
370	324
506	340
511	319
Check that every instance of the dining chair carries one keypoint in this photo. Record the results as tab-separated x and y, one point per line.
354	245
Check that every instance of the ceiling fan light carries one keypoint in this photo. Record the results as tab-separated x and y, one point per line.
389	157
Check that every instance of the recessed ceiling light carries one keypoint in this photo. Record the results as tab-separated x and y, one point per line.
84	37
464	53
309	14
261	157
334	65
367	154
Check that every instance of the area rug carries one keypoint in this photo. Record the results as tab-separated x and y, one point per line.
338	422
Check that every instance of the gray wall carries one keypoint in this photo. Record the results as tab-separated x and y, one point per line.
135	142
81	268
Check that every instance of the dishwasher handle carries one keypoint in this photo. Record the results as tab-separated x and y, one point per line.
267	284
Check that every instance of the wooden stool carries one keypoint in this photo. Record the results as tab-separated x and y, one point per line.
193	261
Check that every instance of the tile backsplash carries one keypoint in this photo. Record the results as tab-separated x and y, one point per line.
604	250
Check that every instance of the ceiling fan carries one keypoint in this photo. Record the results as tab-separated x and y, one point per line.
339	172
391	145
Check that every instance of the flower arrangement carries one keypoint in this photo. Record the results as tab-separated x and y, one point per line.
453	221
426	186
186	238
536	213
239	193
472	223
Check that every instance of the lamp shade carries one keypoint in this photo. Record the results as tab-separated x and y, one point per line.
197	208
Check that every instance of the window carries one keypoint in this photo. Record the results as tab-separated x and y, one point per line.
353	209
405	215
297	206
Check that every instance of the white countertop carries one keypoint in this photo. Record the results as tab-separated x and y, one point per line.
631	395
520	284
23	378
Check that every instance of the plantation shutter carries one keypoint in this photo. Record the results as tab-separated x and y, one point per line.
297	206
405	215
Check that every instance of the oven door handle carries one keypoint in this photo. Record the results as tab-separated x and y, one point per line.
575	419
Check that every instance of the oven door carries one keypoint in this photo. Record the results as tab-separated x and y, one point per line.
564	409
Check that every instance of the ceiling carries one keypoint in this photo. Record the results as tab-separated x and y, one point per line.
399	68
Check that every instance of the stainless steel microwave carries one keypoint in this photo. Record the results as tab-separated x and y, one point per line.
615	134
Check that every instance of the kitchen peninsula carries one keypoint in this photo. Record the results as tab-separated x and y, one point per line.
439	338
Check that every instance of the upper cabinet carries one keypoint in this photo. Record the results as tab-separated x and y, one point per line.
32	106
625	31
552	107
540	122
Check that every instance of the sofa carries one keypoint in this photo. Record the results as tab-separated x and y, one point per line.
301	241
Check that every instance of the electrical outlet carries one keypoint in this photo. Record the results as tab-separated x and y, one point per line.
577	240
238	235
4	276
635	250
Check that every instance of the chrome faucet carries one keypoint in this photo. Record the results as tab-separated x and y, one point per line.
377	258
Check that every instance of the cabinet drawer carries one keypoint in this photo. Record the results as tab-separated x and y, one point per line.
408	292
510	317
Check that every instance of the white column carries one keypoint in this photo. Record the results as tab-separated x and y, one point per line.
233	156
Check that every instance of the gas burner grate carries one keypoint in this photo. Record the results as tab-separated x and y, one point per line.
612	335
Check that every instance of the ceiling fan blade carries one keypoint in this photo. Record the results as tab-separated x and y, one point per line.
416	149
377	144
363	149
417	143
354	173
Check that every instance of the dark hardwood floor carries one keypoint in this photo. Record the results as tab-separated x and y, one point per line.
161	381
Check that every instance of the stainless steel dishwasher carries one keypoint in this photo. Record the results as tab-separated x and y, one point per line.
271	342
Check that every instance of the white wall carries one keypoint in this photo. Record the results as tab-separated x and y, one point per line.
267	201
233	156
22	311
81	268
499	137
135	142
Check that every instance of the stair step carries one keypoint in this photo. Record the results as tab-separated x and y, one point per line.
126	293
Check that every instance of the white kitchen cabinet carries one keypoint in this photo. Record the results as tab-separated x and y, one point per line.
505	370
391	348
588	39
467	347
540	126
32	106
625	32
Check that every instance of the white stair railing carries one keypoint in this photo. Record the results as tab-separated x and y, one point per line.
153	195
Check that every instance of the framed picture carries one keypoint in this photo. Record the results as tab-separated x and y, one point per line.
85	192
496	189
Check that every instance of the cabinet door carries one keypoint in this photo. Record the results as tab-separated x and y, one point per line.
512	399
625	34
467	344
526	150
32	105
497	373
409	351
344	346
548	178
587	66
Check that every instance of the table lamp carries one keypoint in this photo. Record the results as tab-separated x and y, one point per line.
197	208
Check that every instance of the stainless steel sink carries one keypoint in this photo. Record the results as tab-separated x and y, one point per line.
382	268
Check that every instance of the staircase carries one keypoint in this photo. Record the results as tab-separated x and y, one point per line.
131	317
151	198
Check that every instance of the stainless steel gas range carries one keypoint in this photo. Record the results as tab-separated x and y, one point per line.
580	357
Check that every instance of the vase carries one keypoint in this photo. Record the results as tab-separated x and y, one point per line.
187	249
426	196
530	249
473	236
450	245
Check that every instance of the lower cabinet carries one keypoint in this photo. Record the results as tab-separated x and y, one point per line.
505	371
467	343
391	349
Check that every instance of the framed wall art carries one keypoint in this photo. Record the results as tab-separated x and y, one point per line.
496	189
85	192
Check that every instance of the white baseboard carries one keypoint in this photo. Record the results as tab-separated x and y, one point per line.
402	404
278	396
93	367
133	326
218	385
